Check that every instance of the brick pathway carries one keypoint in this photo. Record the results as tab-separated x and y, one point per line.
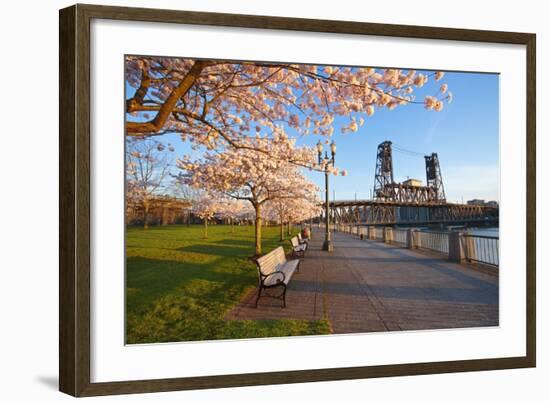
366	286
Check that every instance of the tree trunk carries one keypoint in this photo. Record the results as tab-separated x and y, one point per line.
146	215
232	225
282	230
205	228
258	230
289	228
164	217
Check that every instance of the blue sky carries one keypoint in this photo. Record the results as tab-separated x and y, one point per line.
465	134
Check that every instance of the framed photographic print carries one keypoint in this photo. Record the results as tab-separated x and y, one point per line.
250	200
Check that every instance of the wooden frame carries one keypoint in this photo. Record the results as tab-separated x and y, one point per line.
74	203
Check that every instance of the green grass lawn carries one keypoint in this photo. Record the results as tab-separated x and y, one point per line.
179	285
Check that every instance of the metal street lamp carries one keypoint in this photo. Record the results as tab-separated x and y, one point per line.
326	162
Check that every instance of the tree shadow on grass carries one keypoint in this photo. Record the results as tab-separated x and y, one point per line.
178	289
193	313
218	249
244	242
198	314
230	248
176	301
149	279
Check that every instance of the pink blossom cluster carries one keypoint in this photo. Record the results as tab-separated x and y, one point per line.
215	104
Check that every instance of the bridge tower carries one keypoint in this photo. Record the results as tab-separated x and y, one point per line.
434	179
383	175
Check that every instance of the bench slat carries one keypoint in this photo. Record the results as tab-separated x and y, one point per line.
269	263
274	270
288	269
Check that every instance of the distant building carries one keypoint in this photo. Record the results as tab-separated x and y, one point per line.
477	202
413	182
482	202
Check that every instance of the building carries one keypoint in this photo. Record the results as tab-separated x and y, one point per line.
413	182
482	202
162	210
477	202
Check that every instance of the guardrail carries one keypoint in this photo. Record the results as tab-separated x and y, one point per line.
458	246
400	236
481	249
434	241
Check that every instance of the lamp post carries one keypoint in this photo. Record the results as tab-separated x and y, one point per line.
327	161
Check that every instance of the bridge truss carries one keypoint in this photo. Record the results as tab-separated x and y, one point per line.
409	202
391	213
386	189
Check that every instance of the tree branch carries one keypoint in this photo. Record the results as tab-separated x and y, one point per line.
155	125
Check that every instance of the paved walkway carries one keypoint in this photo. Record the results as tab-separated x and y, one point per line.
366	286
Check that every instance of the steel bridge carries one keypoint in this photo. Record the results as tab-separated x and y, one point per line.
409	202
372	212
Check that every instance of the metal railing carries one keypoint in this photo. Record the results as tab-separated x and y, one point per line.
434	241
481	249
476	248
400	236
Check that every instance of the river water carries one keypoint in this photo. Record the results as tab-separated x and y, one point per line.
487	231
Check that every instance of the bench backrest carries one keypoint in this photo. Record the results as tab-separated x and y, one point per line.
294	241
268	263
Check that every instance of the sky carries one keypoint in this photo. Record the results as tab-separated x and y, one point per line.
465	135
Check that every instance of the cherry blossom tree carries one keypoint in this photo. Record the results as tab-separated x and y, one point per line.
304	211
181	191
206	206
289	210
221	103
232	209
147	168
276	210
252	176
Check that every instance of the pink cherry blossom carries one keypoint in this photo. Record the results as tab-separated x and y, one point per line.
215	104
256	176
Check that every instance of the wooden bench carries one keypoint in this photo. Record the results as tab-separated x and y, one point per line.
303	240
275	271
298	249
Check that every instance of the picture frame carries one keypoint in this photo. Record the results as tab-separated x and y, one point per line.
75	204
